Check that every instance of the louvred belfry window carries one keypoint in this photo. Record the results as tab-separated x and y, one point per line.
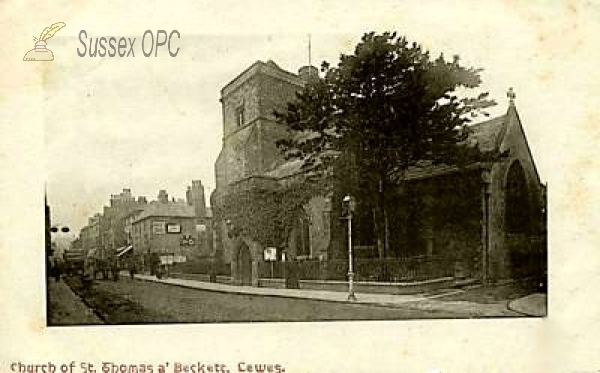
239	115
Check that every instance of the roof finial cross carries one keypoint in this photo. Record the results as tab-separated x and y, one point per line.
511	96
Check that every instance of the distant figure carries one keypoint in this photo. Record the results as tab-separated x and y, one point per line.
58	270
132	268
114	269
154	264
89	270
55	269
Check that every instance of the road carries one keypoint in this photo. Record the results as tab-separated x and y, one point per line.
65	308
132	302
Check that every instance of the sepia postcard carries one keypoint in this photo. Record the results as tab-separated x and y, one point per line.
299	187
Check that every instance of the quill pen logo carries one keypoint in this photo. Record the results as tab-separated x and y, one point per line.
40	52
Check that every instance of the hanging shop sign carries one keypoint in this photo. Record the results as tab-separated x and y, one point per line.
173	228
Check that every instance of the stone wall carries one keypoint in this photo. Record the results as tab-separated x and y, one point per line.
516	147
275	94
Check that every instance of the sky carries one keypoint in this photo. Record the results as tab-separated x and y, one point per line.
155	123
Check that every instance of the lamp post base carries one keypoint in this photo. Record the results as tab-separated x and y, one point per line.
351	296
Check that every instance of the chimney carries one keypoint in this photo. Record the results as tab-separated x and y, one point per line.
197	198
142	199
188	196
308	73
127	194
163	197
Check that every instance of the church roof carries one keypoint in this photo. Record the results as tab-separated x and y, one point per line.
488	136
169	209
286	169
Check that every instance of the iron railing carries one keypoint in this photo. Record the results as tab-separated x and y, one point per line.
376	270
204	267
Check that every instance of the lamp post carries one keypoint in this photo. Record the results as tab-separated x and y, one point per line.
349	203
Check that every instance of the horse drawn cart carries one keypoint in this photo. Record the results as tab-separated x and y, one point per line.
74	262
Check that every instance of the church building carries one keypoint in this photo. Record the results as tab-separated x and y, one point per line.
486	220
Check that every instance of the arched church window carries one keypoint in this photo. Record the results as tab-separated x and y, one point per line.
303	235
518	211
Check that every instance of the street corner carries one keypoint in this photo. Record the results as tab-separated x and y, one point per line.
531	305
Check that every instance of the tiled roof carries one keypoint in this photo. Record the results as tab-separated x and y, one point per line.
169	209
487	135
286	169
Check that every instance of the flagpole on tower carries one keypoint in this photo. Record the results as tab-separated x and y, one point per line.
309	51
309	57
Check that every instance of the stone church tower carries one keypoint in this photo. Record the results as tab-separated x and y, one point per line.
249	127
250	132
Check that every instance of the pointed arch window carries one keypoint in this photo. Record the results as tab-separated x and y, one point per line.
303	235
518	212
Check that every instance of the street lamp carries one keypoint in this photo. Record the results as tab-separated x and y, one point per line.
61	229
52	267
349	204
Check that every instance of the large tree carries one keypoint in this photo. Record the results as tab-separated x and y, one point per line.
383	109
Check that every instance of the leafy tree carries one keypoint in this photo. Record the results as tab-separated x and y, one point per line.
383	109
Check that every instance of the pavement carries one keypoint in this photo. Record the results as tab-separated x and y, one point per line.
66	308
531	305
422	302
